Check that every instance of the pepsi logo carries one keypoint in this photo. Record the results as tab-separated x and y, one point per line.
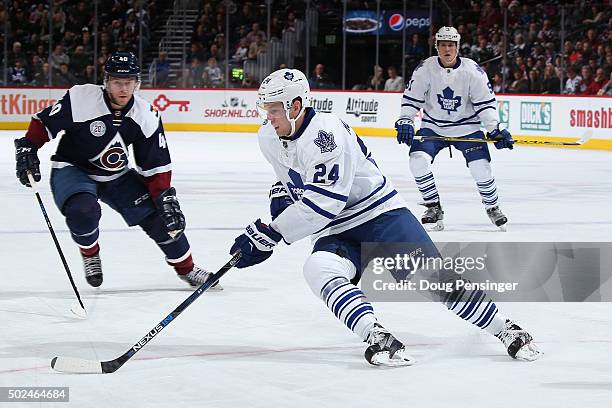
396	22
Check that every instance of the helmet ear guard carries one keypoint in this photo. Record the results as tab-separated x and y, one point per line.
285	86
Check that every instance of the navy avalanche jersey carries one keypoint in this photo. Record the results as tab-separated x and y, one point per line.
95	137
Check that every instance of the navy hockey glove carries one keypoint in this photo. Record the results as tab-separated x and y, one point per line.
256	244
405	131
279	200
27	161
503	137
170	212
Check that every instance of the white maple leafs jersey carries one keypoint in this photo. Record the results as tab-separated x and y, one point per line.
454	100
329	174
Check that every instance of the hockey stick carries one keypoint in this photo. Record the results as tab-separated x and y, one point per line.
83	366
585	137
78	310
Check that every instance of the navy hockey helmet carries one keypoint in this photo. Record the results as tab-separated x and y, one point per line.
122	64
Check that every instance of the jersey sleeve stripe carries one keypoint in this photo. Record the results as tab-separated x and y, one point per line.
326	193
483	102
156	170
411	105
318	209
413	99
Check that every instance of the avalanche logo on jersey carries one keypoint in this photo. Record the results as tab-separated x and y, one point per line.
325	141
448	101
114	157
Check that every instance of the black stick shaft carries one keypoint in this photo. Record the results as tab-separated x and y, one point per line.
57	245
113	365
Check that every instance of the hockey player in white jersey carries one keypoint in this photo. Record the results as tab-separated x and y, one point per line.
330	187
456	96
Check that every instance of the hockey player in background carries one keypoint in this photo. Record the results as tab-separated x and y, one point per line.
330	187
95	125
456	96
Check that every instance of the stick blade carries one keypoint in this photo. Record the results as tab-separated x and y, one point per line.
587	135
76	365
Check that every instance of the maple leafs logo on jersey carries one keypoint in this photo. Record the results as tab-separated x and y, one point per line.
114	157
448	101
325	141
288	76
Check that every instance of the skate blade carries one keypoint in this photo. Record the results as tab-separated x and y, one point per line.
529	352
502	228
399	359
438	226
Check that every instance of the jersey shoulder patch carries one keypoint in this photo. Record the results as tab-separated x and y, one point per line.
87	102
145	116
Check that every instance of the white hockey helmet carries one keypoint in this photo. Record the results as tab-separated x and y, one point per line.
284	85
448	34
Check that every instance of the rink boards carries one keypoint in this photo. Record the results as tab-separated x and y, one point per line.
540	117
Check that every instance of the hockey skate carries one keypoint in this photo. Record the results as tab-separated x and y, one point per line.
497	217
518	342
433	216
93	269
386	350
197	277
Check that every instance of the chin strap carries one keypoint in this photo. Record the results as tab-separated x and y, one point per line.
292	121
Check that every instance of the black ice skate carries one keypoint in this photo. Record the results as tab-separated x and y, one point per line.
433	216
386	350
197	277
518	342
497	217
93	269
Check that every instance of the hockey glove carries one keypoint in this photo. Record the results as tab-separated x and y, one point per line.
279	200
27	161
503	139
170	212
405	131
255	244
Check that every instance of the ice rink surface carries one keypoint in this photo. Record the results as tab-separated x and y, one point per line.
266	341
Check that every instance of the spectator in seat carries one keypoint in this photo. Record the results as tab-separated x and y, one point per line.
572	84
64	78
535	84
78	61
551	84
162	70
498	83
606	90
255	31
212	76
319	78
395	83
520	83
58	57
41	79
376	81
257	47
598	83
587	78
17	74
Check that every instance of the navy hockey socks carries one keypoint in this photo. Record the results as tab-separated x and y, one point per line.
82	212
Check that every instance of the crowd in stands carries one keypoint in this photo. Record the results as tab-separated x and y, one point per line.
71	60
530	59
534	61
206	60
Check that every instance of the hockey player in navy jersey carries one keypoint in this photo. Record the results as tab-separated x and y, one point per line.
456	96
95	125
329	187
